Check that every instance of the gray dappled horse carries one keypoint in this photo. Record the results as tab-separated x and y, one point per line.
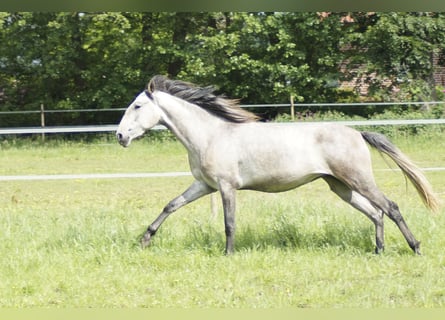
229	149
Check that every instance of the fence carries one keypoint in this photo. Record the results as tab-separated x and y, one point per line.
43	129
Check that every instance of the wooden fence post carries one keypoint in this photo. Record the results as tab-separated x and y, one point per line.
292	108
42	119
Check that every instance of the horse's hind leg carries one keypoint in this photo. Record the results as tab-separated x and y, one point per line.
394	214
390	208
373	203
362	204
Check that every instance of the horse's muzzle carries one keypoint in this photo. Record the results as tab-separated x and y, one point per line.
123	141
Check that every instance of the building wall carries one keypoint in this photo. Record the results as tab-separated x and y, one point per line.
361	86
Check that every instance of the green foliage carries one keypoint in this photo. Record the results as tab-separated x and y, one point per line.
101	60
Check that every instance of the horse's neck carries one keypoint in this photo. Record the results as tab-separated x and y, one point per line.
193	126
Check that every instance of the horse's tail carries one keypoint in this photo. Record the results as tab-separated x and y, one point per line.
414	174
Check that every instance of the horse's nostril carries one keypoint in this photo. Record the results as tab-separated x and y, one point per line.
119	136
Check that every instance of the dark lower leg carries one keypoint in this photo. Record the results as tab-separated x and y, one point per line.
379	237
195	191
395	215
228	194
151	230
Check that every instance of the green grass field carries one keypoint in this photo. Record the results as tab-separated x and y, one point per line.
75	243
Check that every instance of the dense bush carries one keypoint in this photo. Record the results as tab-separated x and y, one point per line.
78	60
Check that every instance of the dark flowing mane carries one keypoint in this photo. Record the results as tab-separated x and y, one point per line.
204	97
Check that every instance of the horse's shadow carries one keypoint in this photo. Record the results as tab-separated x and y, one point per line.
292	236
330	236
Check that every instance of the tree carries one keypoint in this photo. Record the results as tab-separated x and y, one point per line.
267	56
22	36
100	60
398	47
66	60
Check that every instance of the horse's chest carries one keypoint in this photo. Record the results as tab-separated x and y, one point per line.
201	170
212	167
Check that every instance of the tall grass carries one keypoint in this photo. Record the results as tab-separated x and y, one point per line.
75	243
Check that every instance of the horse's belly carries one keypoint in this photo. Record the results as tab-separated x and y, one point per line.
278	183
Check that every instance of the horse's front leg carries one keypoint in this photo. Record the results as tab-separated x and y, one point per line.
195	191
228	194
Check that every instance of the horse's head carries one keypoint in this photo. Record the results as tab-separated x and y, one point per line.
141	115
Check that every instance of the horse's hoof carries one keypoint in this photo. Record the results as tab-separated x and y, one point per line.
379	250
416	248
145	241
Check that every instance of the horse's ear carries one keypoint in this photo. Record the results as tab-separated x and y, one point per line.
148	94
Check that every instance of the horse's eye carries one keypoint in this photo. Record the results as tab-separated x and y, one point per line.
137	107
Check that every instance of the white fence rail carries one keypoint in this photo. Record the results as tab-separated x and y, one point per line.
141	175
113	128
43	129
64	129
